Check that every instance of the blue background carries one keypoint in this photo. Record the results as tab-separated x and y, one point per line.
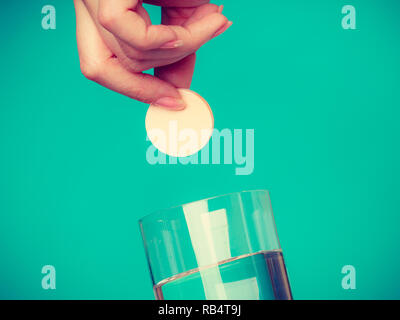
324	104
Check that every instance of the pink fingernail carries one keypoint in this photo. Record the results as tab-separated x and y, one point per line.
223	29
170	103
172	44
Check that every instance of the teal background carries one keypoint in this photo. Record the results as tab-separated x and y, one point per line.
324	103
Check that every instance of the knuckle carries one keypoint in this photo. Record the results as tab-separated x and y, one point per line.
143	89
91	71
140	94
106	17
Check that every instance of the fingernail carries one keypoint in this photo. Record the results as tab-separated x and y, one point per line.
170	103
223	29
220	8
172	44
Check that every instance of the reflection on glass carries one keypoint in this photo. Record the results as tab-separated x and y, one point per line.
221	248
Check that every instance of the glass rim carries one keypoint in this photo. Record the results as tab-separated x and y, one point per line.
155	213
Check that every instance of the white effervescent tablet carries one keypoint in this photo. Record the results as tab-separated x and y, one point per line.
181	133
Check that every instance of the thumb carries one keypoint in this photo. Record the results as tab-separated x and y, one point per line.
180	73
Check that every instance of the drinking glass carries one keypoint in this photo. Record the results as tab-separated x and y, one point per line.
221	248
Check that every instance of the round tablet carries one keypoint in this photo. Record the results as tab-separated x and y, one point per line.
181	133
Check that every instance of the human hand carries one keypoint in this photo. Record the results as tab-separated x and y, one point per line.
115	56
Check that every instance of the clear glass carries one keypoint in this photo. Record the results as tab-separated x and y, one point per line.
221	248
